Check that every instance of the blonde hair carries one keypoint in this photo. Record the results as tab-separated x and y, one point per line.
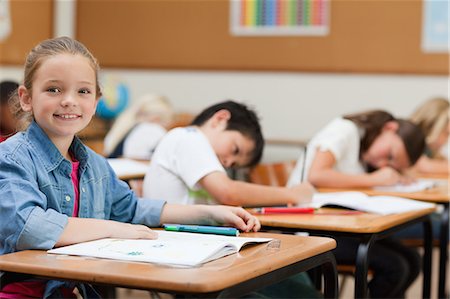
147	108
36	57
432	117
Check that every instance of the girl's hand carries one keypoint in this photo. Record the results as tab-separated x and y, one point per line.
387	176
234	216
302	193
131	231
406	179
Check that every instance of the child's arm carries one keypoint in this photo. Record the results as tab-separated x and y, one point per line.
238	193
428	165
322	174
87	229
210	214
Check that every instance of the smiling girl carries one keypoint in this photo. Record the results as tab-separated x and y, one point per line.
55	191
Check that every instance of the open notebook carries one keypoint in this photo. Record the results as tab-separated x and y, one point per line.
171	248
373	204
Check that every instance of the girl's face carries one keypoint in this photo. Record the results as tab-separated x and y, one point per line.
387	149
63	96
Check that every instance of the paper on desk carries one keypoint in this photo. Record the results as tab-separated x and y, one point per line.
127	167
383	205
419	185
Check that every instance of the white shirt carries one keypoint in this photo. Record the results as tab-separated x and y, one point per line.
342	138
142	140
181	159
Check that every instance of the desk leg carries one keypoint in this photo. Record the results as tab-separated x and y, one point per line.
427	254
362	267
326	261
443	248
330	277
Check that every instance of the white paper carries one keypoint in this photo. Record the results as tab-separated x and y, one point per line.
127	167
418	185
383	205
171	248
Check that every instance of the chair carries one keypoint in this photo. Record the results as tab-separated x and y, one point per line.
271	174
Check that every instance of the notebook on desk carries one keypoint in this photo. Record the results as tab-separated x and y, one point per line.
383	205
171	248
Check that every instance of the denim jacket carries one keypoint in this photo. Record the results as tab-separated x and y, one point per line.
37	194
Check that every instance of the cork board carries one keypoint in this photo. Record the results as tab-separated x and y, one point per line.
365	37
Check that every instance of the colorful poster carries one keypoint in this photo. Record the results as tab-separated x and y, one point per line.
5	20
435	35
279	17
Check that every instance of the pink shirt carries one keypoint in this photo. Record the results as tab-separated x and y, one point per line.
75	181
35	288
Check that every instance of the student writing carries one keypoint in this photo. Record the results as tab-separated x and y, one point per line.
55	191
363	150
189	163
188	160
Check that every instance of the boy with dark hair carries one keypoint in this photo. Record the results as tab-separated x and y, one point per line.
242	120
7	120
189	161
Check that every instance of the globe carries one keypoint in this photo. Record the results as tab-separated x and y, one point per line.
113	101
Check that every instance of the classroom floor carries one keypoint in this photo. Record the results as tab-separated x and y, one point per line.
347	292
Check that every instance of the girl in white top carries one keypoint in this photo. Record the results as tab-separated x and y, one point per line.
137	131
361	150
364	150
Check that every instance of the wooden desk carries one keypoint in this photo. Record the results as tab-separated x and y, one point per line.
439	195
287	142
232	276
367	227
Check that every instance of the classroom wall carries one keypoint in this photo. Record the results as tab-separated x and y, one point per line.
292	105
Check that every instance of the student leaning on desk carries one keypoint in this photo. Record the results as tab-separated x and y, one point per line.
433	118
364	150
191	159
137	130
189	163
55	191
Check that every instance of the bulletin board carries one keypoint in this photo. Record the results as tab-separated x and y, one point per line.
365	36
31	22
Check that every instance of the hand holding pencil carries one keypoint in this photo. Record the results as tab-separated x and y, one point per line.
302	193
